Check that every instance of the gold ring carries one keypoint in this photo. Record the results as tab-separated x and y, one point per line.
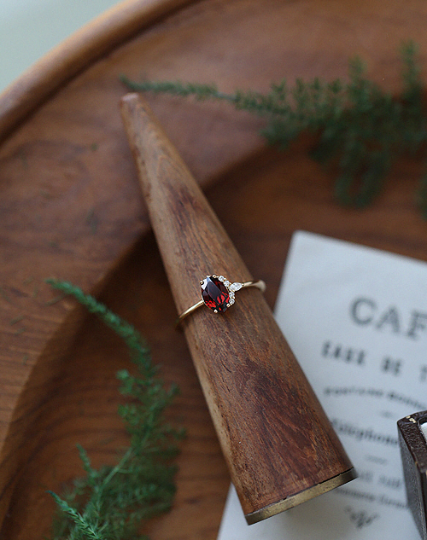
218	294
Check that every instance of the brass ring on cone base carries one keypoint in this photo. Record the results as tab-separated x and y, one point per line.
218	294
301	497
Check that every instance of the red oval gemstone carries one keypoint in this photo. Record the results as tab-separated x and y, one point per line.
215	294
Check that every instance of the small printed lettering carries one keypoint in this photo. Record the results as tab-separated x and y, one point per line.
365	476
364	496
413	403
353	390
360	518
392	366
345	428
392	483
423	373
391	502
392	395
349	355
376	459
357	494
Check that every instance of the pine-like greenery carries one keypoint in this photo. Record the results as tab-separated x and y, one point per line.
361	127
110	503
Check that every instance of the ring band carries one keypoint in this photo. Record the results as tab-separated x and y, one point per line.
218	294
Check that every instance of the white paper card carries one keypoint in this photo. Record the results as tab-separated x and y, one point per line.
356	319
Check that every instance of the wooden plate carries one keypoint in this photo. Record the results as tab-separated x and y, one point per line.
71	208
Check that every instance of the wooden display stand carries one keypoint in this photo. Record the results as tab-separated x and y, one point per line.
279	446
71	208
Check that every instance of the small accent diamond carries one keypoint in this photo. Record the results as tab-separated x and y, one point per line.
235	287
227	283
221	278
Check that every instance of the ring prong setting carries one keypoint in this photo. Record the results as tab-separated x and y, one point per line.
218	294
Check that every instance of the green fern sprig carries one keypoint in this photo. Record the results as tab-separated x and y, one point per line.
361	127
111	502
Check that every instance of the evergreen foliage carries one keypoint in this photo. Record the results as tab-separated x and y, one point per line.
111	502
361	127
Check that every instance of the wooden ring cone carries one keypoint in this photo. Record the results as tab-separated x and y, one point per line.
279	445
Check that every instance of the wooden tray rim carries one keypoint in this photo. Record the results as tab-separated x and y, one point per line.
75	54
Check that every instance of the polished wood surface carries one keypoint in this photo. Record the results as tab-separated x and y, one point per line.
71	207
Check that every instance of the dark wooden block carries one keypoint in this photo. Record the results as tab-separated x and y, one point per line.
413	447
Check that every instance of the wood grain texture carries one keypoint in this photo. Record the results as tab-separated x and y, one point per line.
275	436
70	207
271	195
